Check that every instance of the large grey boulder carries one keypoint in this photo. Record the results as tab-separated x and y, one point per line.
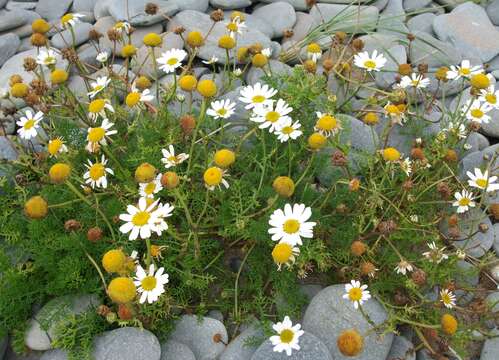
9	43
134	11
127	343
53	10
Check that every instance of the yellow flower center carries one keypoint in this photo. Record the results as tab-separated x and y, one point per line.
98	87
213	176
232	27
476	113
96	134
491	98
29	124
291	226
464	71
96	171
272	116
172	61
446	298
132	99
149	188
119	25
327	122
96	106
172	159
141	218
258	99
355	294
287	130
314	48
415	83
66	18
49	60
370	64
392	109
464	202
54	146
286	336
282	252
222	111
481	182
148	283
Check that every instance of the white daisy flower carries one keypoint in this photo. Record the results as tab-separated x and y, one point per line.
96	136
98	108
448	298
140	220
476	110
406	166
170	159
490	96
403	267
284	254
70	19
417	81
235	26
267	52
28	125
269	116
161	212
237	72
149	189
171	60
458	130
122	27
213	60
356	293
151	285
435	254
482	181
56	146
291	224
135	97
96	173
327	124
98	85
464	200
257	95
287	337
371	63
221	109
46	57
214	177
102	56
286	130
463	71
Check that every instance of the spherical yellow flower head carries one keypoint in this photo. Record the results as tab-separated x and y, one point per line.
327	123
371	118
96	106
152	39
121	290
316	141
145	173
195	39
38	39
392	109
405	69
128	51
19	90
242	54
132	99
40	26
224	158
213	176
58	173
143	83
282	253
188	83
284	186
207	88
449	324
391	154
36	208
58	76
237	14
170	180
314	48
350	342
441	73
259	60
226	42
113	261
480	81
54	146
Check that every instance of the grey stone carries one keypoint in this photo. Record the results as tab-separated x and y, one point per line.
415	5
84	5
193	20
9	43
496	240
64	39
3	345
127	343
490	349
36	338
479	243
422	23
297	4
239	349
493	12
311	348
12	19
101	9
230	4
392	20
349	17
253	22
216	314
55	355
469	30
198	5
198	333
341	1
255	75
135	11
53	10
401	349
280	15
329	314
303	25
173	350
395	56
24	30
429	50
11	355
493	301
2	3
12	5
